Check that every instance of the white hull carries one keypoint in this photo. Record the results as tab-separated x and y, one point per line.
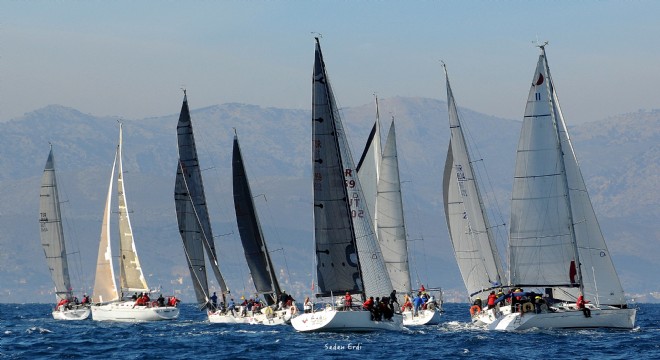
125	311
279	317
333	320
218	317
424	317
564	317
81	313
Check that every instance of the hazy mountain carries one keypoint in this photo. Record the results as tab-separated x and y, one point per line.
620	159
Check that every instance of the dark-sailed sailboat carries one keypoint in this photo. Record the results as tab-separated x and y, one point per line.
348	258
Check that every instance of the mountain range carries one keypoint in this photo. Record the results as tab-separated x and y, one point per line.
619	157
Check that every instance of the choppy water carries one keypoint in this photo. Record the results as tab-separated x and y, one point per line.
27	331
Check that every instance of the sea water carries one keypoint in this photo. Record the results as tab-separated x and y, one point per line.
28	331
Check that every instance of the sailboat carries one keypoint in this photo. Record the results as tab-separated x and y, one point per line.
254	245
470	231
109	302
557	251
379	176
52	240
348	258
195	225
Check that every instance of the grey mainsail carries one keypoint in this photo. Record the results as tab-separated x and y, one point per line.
252	238
347	252
470	232
192	212
52	233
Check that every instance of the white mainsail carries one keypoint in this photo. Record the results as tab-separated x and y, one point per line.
52	234
105	287
471	235
555	240
131	275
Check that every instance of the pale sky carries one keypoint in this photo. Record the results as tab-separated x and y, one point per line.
130	58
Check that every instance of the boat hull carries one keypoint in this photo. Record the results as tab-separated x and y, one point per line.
424	317
80	313
217	317
125	311
606	317
278	317
340	321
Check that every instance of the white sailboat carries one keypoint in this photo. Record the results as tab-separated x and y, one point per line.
379	176
348	258
195	224
556	246
52	240
109	303
471	234
254	245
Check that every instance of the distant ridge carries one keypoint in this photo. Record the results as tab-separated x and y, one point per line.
620	158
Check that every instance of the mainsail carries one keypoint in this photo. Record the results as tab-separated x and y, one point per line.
555	240
192	212
348	256
252	238
105	287
52	234
130	274
471	235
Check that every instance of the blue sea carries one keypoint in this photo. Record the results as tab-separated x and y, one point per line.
29	332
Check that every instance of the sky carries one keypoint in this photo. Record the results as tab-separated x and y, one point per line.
131	58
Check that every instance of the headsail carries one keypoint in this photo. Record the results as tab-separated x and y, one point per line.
105	287
192	212
470	232
252	238
391	225
555	239
131	276
343	227
52	234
